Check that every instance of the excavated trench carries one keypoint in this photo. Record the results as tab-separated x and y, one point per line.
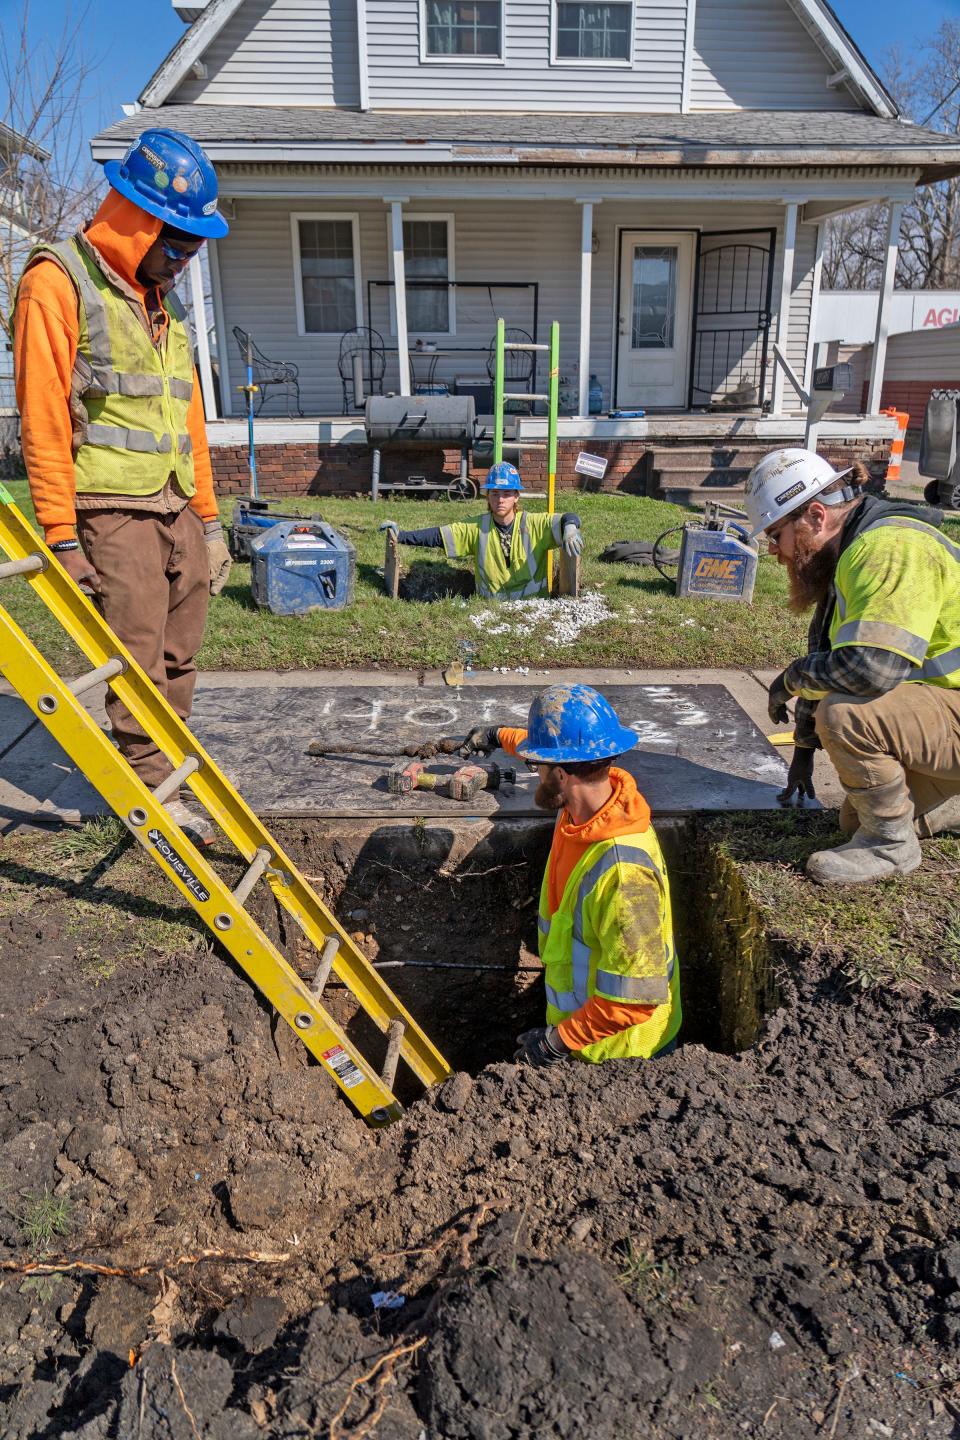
712	1245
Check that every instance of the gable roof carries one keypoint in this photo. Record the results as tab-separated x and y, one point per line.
291	135
816	16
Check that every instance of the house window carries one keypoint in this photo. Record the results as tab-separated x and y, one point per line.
593	32
427	256
325	252
463	29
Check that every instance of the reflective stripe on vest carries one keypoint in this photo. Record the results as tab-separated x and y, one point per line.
129	397
573	999
532	588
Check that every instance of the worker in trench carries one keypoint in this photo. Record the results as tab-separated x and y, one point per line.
509	546
605	928
879	689
113	426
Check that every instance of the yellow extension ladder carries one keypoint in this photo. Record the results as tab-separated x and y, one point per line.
56	703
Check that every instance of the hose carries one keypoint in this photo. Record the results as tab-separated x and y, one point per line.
655	553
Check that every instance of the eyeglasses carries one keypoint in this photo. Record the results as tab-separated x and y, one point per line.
173	252
773	540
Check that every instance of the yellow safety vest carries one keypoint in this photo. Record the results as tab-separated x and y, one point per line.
612	936
525	577
898	588
129	397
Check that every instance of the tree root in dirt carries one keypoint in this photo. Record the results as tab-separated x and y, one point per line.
383	1373
152	1267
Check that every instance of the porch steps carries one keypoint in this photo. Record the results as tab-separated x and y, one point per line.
691	476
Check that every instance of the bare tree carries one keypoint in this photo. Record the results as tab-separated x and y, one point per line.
48	183
927	90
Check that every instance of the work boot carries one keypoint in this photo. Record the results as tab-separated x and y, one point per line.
943	819
193	820
885	845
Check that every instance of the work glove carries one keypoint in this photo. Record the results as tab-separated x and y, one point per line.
78	567
572	540
540	1047
218	556
481	740
389	525
799	779
777	698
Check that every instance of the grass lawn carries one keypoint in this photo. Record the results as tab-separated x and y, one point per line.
646	627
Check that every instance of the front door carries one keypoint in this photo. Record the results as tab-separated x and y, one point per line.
656	292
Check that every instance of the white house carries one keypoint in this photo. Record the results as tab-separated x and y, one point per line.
655	176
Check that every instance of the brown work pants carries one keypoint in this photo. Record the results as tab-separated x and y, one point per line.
155	585
912	731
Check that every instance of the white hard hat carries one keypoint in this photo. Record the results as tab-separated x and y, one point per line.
786	479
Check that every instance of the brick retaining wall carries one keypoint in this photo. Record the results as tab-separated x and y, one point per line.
344	469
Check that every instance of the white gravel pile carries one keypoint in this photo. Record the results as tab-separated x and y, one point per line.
557	622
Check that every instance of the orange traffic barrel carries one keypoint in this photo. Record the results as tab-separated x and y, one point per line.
896	447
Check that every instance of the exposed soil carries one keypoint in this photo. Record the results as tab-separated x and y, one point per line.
716	1244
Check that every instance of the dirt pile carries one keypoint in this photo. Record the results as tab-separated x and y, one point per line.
761	1244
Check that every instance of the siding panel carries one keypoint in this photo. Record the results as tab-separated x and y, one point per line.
541	242
754	55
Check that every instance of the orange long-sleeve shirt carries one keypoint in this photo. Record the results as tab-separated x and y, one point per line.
46	333
625	813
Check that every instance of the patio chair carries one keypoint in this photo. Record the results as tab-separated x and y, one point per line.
366	343
268	372
519	366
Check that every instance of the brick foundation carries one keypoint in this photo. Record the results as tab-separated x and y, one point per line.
343	469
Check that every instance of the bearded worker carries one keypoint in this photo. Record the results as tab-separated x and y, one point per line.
605	927
880	687
509	547
113	426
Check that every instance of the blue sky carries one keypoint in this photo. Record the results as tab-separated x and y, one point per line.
124	54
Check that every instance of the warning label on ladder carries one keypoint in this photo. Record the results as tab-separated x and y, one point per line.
338	1060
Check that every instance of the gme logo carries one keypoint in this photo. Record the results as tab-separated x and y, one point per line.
712	568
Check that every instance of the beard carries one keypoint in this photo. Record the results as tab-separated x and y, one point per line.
811	570
547	796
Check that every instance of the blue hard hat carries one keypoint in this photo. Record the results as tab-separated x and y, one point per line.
169	175
573	723
503	477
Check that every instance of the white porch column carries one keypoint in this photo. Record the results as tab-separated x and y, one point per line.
783	311
203	341
814	309
396	204
586	283
878	361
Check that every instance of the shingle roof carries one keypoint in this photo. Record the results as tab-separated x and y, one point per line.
725	138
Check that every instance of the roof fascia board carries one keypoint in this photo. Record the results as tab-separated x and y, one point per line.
188	49
825	24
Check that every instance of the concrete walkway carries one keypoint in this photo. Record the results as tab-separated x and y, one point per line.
702	741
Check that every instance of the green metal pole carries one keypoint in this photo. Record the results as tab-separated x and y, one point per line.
498	397
553	398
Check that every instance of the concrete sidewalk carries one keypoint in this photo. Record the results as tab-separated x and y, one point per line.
702	741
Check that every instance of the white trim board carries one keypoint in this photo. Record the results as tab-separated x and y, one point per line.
188	49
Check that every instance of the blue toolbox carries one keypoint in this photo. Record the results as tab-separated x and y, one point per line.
302	565
716	560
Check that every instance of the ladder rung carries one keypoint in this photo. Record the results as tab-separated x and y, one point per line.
172	784
327	957
256	868
83	683
527	445
394	1041
511	345
22	567
523	395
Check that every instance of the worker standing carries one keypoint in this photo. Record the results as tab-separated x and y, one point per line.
605	928
880	687
113	427
509	547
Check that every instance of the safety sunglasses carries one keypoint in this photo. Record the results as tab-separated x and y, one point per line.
173	252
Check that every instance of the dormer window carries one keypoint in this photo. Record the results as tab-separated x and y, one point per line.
462	29
586	33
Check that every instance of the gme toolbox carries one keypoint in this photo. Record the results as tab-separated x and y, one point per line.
302	565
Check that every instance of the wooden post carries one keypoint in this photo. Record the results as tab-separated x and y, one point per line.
568	575
391	565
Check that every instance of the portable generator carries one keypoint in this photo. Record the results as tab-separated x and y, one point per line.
716	559
302	565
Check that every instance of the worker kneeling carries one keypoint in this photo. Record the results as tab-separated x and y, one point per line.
508	546
880	688
605	928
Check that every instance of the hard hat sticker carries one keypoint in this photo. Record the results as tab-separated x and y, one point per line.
155	160
161	179
796	489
